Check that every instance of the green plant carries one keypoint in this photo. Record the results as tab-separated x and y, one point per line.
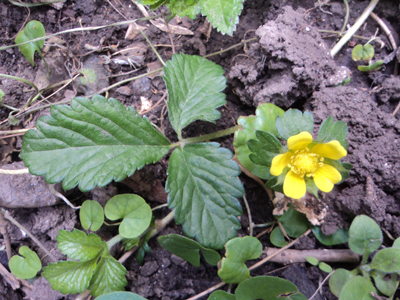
32	30
224	15
25	267
366	53
365	238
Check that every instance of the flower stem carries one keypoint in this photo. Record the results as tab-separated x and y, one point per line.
210	136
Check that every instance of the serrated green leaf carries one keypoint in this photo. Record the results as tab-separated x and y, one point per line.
223	14
331	130
78	245
338	280
134	211
188	249
340	236
293	122
365	236
91	143
387	260
221	295
109	276
120	296
265	288
25	267
386	286
70	277
264	120
358	288
264	149
277	238
32	30
183	8
91	215
195	87
238	251
295	223
203	187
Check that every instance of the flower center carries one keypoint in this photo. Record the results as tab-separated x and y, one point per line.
304	162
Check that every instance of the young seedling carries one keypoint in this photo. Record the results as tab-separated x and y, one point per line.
323	266
25	267
365	237
366	53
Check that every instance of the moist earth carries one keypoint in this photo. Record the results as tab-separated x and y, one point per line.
289	65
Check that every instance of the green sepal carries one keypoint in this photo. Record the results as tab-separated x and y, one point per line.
188	249
293	122
331	130
276	182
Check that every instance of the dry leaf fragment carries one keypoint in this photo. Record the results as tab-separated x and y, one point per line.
133	31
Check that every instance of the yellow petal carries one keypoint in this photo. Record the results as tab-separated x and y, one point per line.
333	150
294	185
299	141
325	177
279	162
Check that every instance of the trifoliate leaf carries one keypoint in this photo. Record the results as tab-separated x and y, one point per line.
238	251
78	245
70	277
293	122
109	276
91	215
223	14
365	235
331	130
91	143
183	8
195	87
25	267
203	187
188	249
32	30
264	120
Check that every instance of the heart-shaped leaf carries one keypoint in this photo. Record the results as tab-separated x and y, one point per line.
25	267
188	249
203	187
134	211
195	87
91	215
32	30
91	143
238	251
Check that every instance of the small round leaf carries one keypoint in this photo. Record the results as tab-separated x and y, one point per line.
91	215
325	267
277	238
25	268
365	236
312	260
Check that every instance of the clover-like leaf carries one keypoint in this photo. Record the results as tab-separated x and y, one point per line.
78	245
188	249
293	122
338	280
365	236
25	267
109	276
358	288
134	211
203	187
91	143
195	87
267	288
32	30
221	295
70	276
340	236
238	251
264	120
331	130
387	260
120	296
91	215
223	14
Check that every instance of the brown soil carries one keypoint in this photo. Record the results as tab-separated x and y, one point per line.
289	66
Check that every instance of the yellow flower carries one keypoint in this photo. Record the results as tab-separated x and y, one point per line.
303	161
